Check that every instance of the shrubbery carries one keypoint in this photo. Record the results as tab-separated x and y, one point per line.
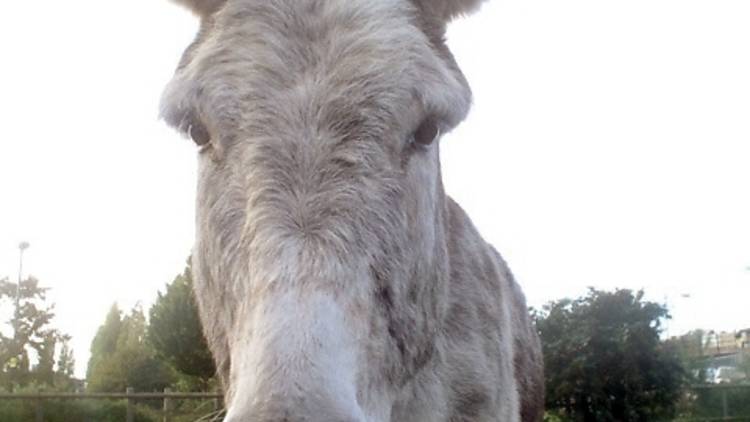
604	359
103	410
75	411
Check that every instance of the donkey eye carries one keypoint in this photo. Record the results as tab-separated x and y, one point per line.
199	134
427	132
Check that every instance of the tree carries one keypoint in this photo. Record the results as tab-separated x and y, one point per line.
104	343
604	359
64	376
176	333
121	357
31	332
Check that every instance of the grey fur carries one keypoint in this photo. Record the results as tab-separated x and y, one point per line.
336	280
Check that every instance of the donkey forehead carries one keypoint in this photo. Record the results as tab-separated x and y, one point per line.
271	55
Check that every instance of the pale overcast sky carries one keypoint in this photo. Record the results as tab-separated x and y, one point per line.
609	146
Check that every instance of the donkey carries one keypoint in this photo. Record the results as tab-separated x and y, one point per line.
336	280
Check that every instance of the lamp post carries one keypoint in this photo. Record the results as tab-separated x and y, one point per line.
21	248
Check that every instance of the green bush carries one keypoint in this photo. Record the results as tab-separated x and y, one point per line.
13	410
75	411
555	416
105	410
604	360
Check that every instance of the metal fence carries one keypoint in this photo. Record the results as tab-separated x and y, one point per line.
168	398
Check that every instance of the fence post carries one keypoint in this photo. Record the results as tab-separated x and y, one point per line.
217	404
39	410
129	414
724	404
167	404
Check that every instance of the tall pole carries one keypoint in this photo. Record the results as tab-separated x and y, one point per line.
21	248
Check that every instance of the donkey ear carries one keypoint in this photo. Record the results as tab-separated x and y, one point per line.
445	10
202	8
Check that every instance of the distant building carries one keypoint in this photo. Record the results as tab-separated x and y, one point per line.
718	344
725	355
743	339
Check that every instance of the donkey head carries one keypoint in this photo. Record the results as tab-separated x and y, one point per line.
320	258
